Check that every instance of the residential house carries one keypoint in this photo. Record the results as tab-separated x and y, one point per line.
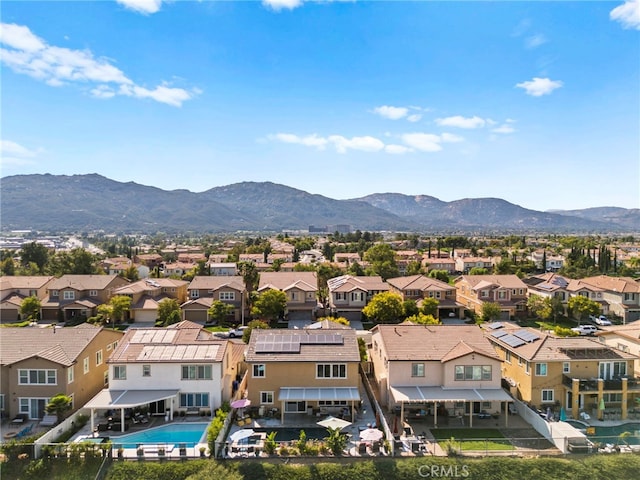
548	285
348	294
39	363
193	258
418	287
180	368
218	258
592	292
625	338
223	269
508	291
347	258
301	289
553	263
574	373
151	260
73	298
465	264
439	371
406	257
13	290
148	293
435	263
177	269
312	371
202	291
621	295
119	265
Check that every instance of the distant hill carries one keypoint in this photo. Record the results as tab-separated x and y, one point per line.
58	203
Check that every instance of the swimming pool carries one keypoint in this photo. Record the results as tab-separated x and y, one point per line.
577	424
175	433
612	434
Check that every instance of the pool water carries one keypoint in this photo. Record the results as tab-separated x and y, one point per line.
187	433
612	434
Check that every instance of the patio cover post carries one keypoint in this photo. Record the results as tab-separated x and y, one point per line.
402	416
282	412
435	414
92	422
122	419
506	414
471	414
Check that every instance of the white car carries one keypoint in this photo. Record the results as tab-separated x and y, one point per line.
602	320
585	329
237	332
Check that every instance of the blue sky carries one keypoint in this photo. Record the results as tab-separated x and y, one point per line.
537	103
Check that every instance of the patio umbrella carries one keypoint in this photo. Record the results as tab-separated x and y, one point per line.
371	435
563	415
241	403
333	422
241	434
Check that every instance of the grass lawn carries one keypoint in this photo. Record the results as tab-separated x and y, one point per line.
473	438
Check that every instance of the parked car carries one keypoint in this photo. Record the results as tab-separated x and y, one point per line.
602	320
237	332
585	329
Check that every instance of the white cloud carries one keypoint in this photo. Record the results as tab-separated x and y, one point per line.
142	6
628	14
425	142
451	138
58	66
397	149
310	140
505	128
278	5
535	41
12	153
414	117
539	86
365	144
392	113
461	122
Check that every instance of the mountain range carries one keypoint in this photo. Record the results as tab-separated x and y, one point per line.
62	203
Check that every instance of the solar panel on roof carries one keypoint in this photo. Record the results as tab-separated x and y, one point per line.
495	325
512	340
527	336
499	333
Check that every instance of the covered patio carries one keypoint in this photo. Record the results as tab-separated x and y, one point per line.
124	399
438	396
295	399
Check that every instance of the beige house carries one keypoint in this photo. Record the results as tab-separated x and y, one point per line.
576	373
311	371
348	294
418	287
465	264
625	338
301	289
148	293
434	263
439	371
75	297
39	363
620	294
203	290
13	290
508	291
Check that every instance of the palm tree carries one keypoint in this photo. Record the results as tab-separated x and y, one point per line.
59	405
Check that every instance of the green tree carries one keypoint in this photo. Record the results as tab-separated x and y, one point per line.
409	308
131	273
270	305
30	308
382	260
535	304
581	307
385	307
490	311
355	269
253	324
120	305
422	319
76	262
168	312
336	441
430	306
219	311
414	268
441	275
478	271
7	267
250	275
59	405
36	253
214	470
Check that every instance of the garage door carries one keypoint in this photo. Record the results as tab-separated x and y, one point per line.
504	315
146	315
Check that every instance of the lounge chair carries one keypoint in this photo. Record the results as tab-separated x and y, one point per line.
48	421
25	431
362	448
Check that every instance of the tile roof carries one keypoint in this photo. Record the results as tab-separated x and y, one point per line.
504	281
613	284
306	281
347	283
347	351
82	282
183	341
433	342
30	282
419	282
60	345
201	282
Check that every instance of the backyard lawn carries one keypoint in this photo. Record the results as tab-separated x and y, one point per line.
472	438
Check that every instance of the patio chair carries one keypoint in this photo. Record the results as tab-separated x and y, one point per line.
362	448
48	421
25	431
375	448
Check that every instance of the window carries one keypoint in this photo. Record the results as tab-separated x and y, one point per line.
331	403
194	400
99	357
195	294
473	372
331	370
55	293
520	361
105	378
70	375
37	377
547	395
541	369
507	356
2	402
484	293
69	295
266	397
108	347
417	369
612	397
227	295
259	370
486	405
341	295
623	347
566	367
196	372
357	296
502	294
93	293
85	365
119	372
146	370
527	368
